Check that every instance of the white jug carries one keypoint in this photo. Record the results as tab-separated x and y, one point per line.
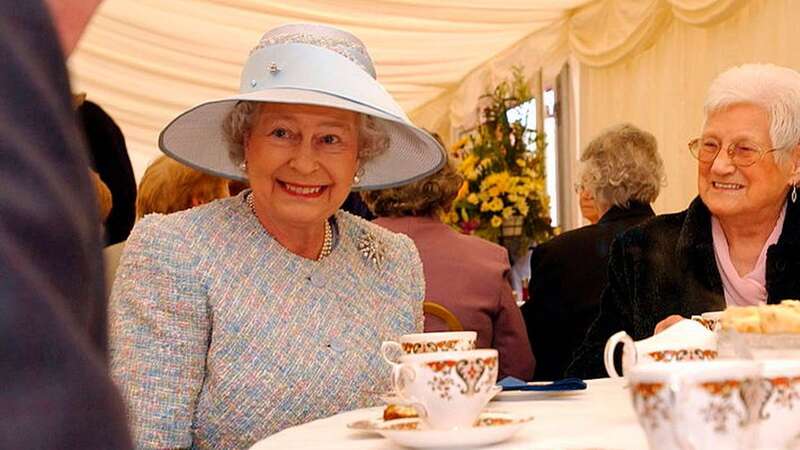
686	340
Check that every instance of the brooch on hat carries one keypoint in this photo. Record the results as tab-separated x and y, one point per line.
371	249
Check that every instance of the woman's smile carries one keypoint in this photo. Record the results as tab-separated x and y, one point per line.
718	185
301	190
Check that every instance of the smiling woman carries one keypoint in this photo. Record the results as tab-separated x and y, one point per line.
236	319
738	243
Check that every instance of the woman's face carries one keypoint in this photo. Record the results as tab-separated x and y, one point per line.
301	160
736	193
588	207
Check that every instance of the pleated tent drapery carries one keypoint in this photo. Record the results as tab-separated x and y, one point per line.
644	61
662	88
145	61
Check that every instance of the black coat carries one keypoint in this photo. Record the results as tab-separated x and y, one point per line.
55	391
568	275
667	266
111	161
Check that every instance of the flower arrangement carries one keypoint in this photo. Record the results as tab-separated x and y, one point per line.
503	198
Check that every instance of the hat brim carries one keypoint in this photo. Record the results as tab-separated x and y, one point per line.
196	138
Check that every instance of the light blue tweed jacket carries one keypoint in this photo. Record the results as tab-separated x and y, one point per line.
221	337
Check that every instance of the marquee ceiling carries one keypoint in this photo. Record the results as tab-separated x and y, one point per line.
144	61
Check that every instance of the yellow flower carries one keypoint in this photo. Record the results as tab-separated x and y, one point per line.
494	191
473	199
496	221
520	162
462	191
496	204
486	206
508	212
513	198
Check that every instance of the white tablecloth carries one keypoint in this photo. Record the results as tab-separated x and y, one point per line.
600	417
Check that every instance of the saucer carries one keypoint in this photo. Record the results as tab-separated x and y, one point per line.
490	428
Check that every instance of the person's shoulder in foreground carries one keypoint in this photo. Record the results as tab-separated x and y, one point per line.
55	391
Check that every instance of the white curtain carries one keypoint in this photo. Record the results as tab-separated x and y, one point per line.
662	88
147	60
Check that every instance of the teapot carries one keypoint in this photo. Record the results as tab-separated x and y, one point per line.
686	340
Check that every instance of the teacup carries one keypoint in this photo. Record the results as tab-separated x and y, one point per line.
686	340
778	405
448	389
711	320
412	344
697	404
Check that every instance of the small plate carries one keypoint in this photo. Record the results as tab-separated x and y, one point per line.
490	428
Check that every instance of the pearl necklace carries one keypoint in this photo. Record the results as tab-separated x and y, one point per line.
327	241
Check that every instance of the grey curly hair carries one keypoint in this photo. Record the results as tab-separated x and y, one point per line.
373	138
620	165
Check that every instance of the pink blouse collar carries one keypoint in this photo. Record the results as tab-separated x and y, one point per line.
750	289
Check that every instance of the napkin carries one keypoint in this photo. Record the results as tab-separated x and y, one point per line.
567	384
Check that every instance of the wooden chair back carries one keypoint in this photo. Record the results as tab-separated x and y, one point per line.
437	310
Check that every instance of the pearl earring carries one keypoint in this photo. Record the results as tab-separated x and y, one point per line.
794	194
243	166
358	175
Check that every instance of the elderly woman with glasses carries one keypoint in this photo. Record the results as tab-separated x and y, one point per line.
738	243
247	315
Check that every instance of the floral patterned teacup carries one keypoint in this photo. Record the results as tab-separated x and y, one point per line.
778	406
698	404
412	344
686	340
448	389
711	320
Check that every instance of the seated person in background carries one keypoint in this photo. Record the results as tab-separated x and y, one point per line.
738	243
586	201
111	162
621	172
169	186
103	194
236	319
465	274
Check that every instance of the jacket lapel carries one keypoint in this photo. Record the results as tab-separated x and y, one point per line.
695	252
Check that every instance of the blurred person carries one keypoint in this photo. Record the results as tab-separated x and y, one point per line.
103	194
109	156
738	243
54	387
168	186
622	173
239	318
465	274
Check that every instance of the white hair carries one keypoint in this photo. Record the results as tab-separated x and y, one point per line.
774	88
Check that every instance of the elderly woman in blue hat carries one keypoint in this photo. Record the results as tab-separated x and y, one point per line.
236	319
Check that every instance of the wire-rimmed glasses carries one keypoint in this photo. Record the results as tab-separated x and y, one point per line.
741	153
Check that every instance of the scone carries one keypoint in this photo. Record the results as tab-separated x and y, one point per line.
393	411
782	318
744	319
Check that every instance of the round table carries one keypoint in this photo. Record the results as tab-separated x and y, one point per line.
601	417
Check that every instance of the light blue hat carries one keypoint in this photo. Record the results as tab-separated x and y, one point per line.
314	65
